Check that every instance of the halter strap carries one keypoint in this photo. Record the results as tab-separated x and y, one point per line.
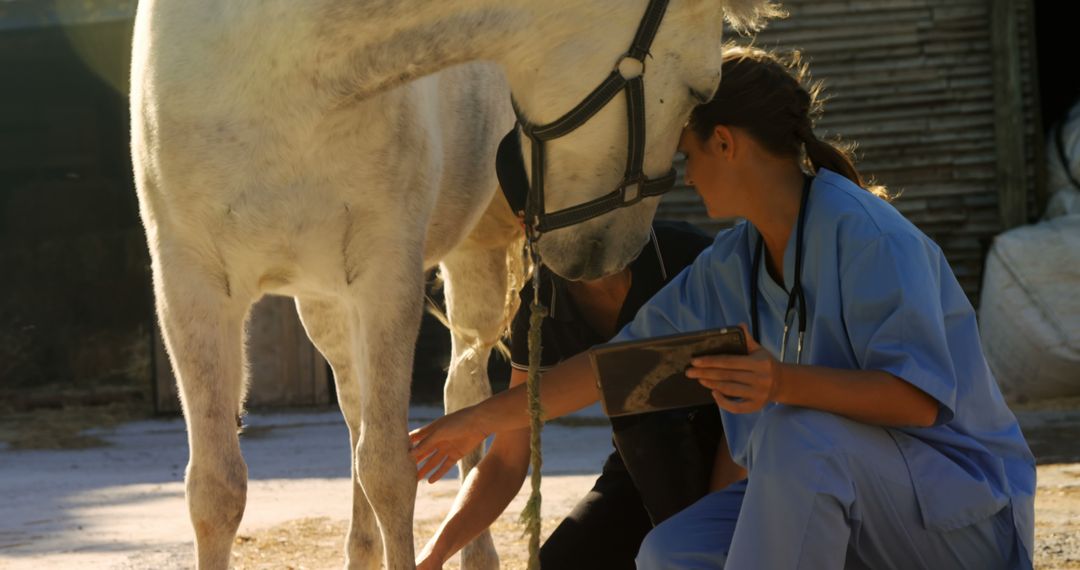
634	186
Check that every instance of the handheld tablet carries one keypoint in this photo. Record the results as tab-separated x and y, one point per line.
648	375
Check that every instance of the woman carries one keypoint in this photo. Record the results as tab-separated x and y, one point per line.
870	429
669	455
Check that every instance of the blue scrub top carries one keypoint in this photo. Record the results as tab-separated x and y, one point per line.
880	296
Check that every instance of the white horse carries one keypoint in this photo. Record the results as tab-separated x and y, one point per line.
284	147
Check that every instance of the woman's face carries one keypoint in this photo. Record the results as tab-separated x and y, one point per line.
709	171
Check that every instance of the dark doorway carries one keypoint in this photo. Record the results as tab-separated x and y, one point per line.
1059	83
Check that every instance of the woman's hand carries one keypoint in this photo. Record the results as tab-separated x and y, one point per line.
740	384
443	442
429	560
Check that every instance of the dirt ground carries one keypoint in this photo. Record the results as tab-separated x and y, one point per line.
317	543
313	543
1052	429
112	497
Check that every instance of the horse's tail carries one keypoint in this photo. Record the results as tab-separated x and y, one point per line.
518	272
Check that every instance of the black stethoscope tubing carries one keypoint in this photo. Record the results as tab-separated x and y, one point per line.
795	297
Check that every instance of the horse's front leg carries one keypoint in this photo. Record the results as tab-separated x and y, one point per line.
477	306
387	302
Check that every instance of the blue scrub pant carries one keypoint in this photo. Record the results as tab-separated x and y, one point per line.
824	493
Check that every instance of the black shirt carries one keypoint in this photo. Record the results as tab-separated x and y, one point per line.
564	332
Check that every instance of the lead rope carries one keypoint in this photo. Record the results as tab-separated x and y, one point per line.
538	221
530	515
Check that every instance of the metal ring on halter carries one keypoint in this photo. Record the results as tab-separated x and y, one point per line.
630	67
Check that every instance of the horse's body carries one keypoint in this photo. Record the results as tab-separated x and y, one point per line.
284	147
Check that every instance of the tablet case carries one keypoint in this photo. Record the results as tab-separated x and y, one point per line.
647	375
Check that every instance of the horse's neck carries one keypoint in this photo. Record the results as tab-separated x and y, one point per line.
395	42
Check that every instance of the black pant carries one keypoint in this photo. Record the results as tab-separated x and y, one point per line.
662	465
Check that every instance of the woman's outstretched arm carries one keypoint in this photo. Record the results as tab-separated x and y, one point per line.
484	494
568	387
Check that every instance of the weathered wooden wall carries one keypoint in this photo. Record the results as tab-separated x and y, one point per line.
938	114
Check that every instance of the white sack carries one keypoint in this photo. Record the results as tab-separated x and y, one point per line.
1029	314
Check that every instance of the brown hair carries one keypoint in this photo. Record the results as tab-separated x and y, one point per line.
773	98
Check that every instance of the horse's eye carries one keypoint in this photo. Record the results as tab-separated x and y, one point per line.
698	96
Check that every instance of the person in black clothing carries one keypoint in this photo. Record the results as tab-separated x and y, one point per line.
663	461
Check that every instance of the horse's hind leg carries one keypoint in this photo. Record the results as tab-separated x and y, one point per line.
203	326
331	329
476	293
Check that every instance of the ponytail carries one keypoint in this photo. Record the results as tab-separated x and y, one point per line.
837	157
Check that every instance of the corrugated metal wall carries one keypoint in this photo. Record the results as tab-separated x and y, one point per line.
912	82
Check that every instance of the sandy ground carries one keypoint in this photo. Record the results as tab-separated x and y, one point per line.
121	505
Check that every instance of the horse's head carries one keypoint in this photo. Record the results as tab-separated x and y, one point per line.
560	68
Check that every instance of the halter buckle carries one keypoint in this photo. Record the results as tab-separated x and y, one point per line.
630	191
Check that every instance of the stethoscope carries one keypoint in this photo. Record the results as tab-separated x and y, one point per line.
796	289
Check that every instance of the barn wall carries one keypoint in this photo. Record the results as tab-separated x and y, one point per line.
912	81
74	297
76	306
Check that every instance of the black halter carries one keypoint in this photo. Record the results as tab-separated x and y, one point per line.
529	198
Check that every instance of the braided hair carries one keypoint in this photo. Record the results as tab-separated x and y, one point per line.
773	98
